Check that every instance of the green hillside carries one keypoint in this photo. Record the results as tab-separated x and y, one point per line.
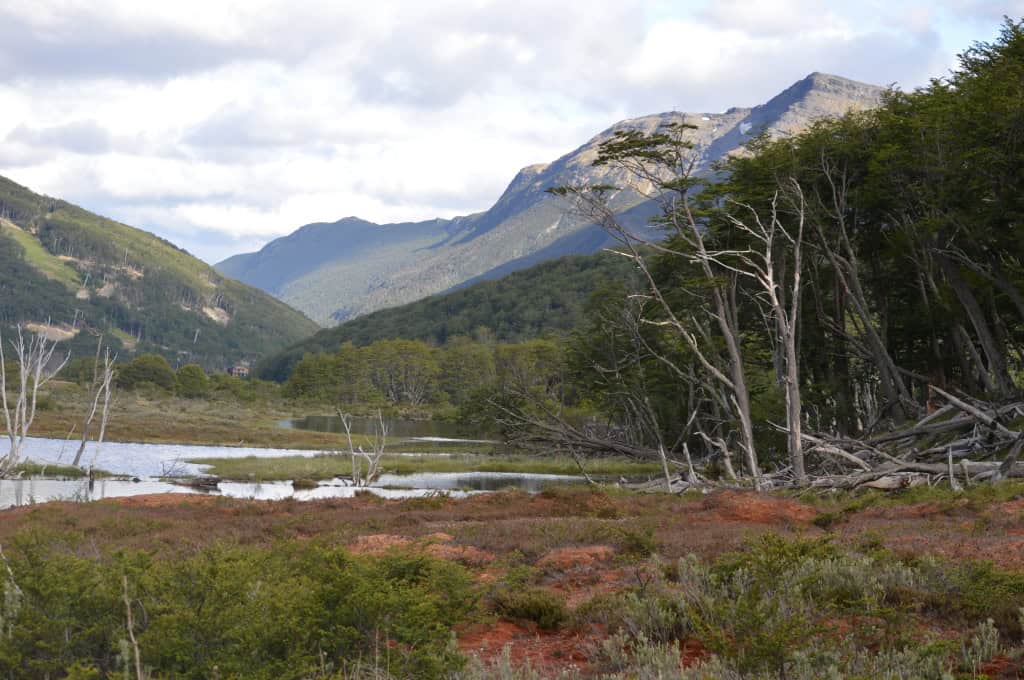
87	275
548	297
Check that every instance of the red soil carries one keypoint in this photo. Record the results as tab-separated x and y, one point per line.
747	506
1003	667
564	559
542	650
437	545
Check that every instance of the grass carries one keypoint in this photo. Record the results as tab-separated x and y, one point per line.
837	507
137	417
49	265
142	417
327	466
31	469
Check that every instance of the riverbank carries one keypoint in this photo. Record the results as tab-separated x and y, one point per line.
328	466
160	418
569	583
166	419
163	419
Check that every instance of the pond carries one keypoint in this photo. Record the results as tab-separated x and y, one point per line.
19	492
147	462
421	430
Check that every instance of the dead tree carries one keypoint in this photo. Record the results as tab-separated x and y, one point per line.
665	162
372	458
101	387
763	262
34	358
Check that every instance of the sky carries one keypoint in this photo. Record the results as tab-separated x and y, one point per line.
223	125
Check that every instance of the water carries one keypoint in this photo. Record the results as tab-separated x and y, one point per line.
147	462
20	492
478	481
420	430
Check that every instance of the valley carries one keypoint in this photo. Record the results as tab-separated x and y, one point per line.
714	396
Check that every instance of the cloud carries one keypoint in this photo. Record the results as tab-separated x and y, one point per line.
84	137
220	124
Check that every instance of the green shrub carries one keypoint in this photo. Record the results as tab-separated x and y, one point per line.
629	657
191	382
531	604
637	543
978	591
261	613
146	368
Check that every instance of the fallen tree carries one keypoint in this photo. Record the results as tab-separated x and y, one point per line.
964	441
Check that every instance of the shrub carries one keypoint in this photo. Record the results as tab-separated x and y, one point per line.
191	382
531	604
637	543
261	613
151	368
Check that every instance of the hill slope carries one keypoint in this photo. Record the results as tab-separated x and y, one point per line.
548	297
88	275
335	272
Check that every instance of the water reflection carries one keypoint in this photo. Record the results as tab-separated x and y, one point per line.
19	492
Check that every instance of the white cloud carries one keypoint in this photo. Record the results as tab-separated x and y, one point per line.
222	124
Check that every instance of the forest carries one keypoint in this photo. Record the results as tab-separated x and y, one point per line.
91	276
543	300
825	289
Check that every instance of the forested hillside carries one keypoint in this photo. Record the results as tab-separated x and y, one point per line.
87	276
547	298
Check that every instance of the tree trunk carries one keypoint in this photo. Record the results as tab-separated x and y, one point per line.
994	356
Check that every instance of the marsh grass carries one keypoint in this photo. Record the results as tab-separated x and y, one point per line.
836	507
329	465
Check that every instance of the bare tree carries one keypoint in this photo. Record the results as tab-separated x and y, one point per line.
665	161
130	626
101	387
372	458
764	261
36	367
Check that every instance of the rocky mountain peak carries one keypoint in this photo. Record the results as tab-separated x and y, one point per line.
385	265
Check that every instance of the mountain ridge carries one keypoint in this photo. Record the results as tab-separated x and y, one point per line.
82	275
344	280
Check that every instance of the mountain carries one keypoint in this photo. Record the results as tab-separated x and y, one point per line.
338	271
545	298
85	275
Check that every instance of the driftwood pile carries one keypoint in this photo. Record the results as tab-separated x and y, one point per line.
963	441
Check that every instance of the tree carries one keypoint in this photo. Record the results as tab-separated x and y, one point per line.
36	367
773	250
146	368
359	455
191	382
101	388
664	162
404	371
466	367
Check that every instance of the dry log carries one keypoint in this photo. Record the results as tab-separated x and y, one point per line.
986	418
1011	459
